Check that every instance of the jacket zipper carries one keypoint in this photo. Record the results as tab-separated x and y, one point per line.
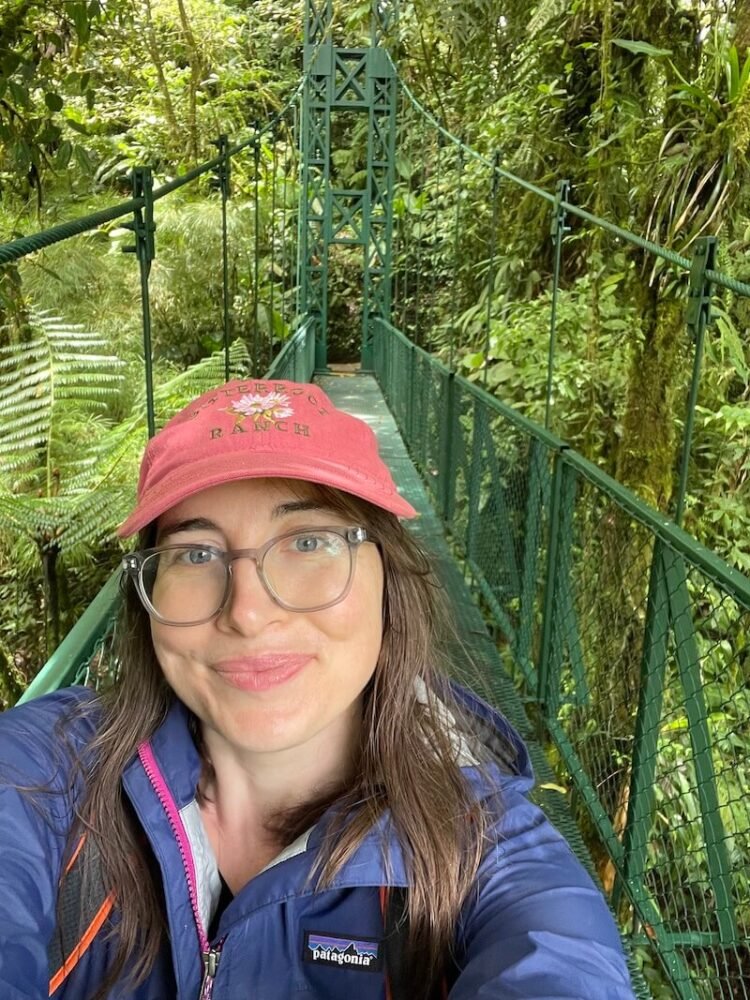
210	965
209	956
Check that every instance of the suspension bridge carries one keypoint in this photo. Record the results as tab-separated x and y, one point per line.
600	626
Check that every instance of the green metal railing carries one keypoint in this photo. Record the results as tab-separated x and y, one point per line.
250	275
627	639
625	636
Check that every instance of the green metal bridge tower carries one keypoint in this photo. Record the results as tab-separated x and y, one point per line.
342	84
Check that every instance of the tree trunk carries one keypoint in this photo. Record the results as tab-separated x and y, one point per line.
11	679
196	65
648	449
740	118
742	28
49	553
14	314
153	51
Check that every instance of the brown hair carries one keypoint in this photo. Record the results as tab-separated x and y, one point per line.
407	763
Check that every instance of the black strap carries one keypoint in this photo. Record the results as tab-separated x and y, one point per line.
406	974
83	908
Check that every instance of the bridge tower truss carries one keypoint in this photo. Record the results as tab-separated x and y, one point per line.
342	85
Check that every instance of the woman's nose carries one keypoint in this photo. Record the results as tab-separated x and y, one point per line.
249	607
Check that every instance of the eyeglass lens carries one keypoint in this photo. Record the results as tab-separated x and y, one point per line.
304	570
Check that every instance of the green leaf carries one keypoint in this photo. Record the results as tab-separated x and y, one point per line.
83	159
64	152
404	167
9	62
641	48
80	15
48	135
53	101
473	360
76	125
502	372
19	95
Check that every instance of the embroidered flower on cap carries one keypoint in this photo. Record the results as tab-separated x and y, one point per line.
273	406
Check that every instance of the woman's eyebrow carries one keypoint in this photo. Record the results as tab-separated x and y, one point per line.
294	506
206	524
189	524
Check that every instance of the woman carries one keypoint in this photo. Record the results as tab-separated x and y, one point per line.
283	794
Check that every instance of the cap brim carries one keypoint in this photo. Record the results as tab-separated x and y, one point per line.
197	476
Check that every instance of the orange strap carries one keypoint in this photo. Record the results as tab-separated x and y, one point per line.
80	949
70	884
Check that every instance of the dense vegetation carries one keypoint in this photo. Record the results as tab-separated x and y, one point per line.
644	107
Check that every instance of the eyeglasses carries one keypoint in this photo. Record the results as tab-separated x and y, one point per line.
307	569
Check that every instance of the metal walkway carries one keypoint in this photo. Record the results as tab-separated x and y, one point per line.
361	396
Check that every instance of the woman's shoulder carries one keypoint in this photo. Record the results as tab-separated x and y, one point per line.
486	740
36	736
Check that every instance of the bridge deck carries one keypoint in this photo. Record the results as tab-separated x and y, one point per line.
360	395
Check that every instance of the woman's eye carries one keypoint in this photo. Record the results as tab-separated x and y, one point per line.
196	557
307	543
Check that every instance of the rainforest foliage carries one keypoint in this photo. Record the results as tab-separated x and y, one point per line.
643	106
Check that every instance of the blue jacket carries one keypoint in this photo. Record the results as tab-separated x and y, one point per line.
536	926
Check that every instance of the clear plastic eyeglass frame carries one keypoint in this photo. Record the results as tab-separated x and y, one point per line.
134	563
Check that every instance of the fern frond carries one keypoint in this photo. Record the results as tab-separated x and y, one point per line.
61	371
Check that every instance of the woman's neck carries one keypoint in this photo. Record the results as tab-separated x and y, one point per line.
243	792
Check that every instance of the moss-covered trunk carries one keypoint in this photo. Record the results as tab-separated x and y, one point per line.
614	597
649	448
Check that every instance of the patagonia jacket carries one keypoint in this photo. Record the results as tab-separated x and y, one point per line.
535	925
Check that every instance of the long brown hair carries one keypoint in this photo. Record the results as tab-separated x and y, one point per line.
407	762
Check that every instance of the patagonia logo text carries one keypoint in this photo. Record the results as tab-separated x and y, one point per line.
360	954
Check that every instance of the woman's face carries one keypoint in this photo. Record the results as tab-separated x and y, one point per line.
262	677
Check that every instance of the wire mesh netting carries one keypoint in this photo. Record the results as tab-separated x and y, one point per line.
630	641
488	478
647	680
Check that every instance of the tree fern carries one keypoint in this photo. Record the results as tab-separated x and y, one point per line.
67	474
67	471
116	455
48	386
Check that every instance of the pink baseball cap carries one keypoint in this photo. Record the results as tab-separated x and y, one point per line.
249	429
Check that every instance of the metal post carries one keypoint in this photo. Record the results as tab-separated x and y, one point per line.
222	182
456	230
447	420
435	241
272	282
491	272
558	230
256	254
143	228
314	218
418	326
698	318
318	18
647	725
561	527
377	200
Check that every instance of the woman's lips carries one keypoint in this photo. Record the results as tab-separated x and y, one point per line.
260	673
